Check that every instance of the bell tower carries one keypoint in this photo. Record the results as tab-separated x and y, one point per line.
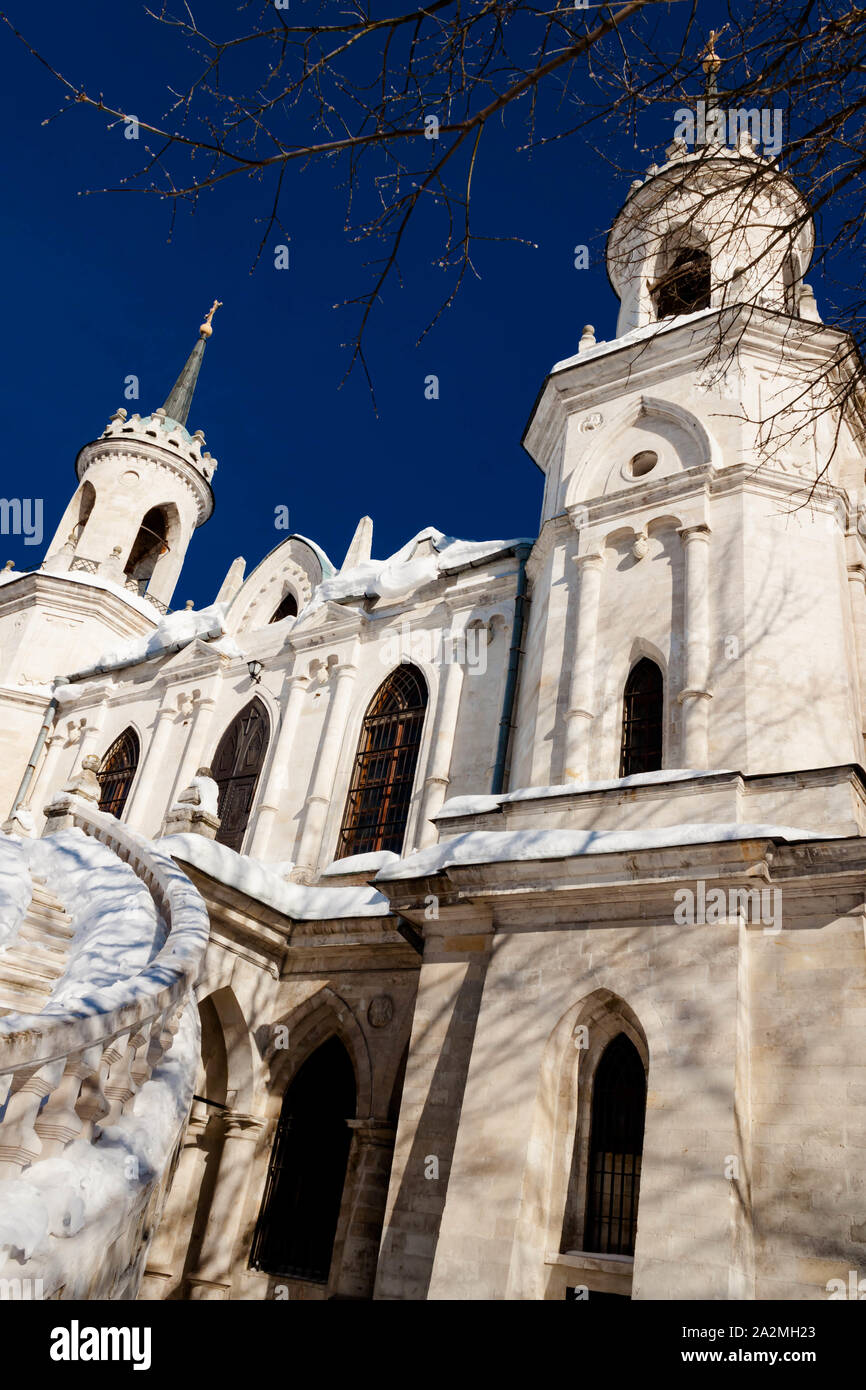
713	226
698	582
144	486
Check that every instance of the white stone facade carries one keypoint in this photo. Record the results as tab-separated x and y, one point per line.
535	898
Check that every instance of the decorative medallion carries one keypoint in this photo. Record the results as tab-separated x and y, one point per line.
591	422
381	1011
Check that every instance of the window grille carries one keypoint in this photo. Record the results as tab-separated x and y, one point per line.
377	806
116	772
615	1148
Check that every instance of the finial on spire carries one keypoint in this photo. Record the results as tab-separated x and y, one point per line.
712	62
206	329
711	65
177	406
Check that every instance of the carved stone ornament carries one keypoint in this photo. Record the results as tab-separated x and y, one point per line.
591	422
381	1011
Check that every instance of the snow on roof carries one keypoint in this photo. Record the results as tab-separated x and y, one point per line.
172	630
499	847
403	571
260	882
477	805
328	568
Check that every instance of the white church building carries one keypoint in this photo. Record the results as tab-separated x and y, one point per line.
486	922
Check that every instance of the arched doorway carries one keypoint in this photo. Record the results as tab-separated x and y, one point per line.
236	767
377	807
298	1221
116	772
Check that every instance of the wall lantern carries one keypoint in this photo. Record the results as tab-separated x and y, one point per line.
255	670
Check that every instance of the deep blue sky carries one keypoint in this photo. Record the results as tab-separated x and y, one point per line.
94	291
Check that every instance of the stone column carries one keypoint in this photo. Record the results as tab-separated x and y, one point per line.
168	1249
442	744
696	643
219	1256
197	751
88	741
149	787
457	949
578	720
319	798
857	591
45	778
295	689
366	1187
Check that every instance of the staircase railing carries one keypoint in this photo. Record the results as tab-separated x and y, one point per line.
69	1073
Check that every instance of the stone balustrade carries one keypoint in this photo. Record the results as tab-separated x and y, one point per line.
65	1074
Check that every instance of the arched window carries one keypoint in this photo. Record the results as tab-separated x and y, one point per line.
236	767
116	772
85	507
615	1147
149	544
288	608
304	1189
685	287
377	807
642	720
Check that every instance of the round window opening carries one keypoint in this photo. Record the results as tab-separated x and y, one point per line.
643	463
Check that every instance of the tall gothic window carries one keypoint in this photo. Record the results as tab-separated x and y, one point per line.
615	1147
377	807
236	767
642	720
304	1188
685	288
116	772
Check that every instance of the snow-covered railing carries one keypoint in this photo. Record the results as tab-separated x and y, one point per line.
69	1073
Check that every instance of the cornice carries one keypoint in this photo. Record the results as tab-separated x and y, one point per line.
24	699
74	598
594	379
145	452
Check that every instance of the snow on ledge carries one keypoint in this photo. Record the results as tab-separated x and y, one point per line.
505	846
477	805
636	335
360	863
296	900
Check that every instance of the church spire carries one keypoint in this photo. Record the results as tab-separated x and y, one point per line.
177	406
711	65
